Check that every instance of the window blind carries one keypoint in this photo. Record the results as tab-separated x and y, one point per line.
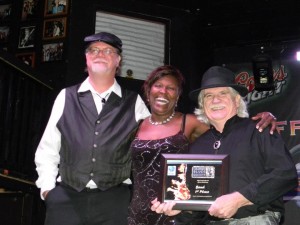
143	42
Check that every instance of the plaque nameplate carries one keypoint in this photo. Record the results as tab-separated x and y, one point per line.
193	181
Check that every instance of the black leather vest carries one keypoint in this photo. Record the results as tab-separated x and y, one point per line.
96	146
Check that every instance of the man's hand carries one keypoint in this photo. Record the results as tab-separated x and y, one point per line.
265	119
227	205
165	208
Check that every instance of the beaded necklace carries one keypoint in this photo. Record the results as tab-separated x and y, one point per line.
162	122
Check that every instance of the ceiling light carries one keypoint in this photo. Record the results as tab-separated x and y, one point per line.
298	55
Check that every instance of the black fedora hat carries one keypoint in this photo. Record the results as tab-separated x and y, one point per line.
218	76
106	37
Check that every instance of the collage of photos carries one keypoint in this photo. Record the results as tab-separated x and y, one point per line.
5	16
54	29
27	31
52	33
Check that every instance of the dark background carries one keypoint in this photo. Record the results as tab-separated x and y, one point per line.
202	33
199	33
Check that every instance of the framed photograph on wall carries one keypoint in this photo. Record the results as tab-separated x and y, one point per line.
53	52
56	7
5	12
28	58
4	33
26	37
55	28
29	10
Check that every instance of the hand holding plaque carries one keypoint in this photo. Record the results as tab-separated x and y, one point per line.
193	181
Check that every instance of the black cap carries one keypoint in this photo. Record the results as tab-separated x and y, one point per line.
108	38
218	76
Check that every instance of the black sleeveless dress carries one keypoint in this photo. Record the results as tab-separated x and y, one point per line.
145	172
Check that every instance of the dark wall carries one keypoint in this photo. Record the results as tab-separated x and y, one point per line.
189	51
25	103
190	48
53	73
191	43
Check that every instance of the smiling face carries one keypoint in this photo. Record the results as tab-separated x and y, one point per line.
100	62
220	105
163	96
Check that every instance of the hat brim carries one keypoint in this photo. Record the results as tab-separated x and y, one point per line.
242	90
107	42
105	37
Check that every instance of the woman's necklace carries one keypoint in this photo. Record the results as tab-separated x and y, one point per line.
162	122
217	143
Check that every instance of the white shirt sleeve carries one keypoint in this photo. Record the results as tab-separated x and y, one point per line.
141	110
47	154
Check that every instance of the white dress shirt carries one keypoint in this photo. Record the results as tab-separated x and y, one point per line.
47	156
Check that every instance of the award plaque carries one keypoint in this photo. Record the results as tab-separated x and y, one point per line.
193	181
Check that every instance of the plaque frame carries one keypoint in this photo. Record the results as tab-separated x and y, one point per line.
206	178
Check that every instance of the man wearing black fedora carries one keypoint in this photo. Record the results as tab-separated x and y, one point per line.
83	160
261	169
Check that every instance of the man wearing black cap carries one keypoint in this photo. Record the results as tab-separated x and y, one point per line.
261	169
84	149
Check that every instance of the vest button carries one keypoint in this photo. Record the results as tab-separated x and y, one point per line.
91	174
98	121
96	133
93	160
95	145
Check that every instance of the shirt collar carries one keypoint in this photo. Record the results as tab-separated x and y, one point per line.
228	126
86	86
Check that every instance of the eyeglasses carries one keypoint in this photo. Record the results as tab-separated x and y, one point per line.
94	51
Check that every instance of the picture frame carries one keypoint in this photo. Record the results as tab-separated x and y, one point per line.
193	181
52	52
5	12
28	58
55	28
29	9
56	7
27	36
4	33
